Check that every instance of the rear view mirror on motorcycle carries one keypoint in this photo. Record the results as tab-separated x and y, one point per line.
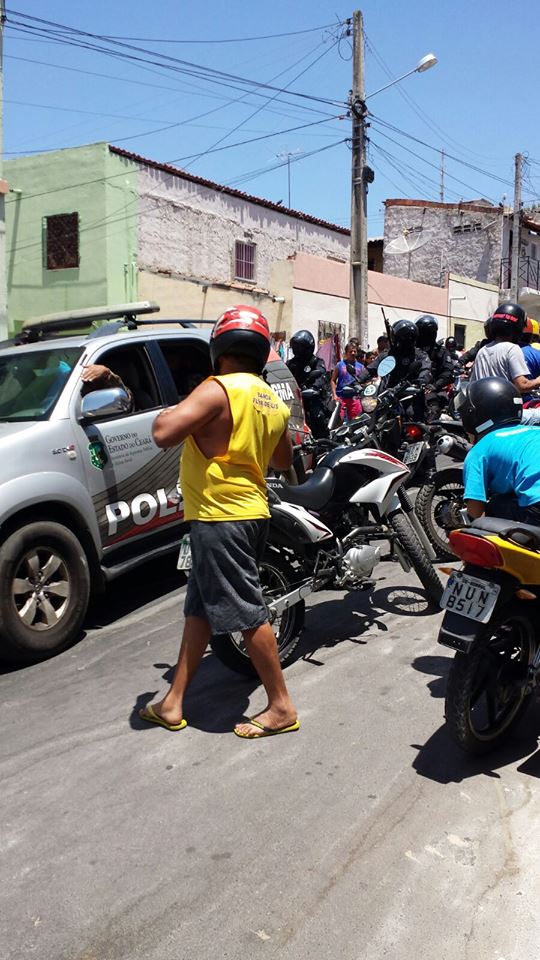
386	366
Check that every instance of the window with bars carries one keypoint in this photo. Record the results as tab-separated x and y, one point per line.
61	241
244	260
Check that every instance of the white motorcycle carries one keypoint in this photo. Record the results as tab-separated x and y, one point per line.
330	533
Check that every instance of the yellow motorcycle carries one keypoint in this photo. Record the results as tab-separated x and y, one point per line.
492	610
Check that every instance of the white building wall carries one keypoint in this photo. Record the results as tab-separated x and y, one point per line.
310	307
376	325
470	303
188	230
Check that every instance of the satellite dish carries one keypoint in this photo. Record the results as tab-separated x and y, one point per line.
406	243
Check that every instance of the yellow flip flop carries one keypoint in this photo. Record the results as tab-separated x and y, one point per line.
149	714
266	731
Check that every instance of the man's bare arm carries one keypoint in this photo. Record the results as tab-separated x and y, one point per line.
206	402
282	456
524	385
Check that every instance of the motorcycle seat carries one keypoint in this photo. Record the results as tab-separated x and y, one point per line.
523	533
314	494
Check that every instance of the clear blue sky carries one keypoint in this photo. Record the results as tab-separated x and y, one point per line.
477	103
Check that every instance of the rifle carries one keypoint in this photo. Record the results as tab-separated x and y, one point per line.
388	328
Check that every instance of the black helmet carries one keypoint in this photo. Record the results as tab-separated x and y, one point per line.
486	404
509	319
302	344
450	343
404	333
427	327
241	331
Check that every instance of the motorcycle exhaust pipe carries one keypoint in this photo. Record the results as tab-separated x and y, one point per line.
452	447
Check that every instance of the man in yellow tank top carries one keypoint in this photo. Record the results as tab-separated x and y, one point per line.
234	426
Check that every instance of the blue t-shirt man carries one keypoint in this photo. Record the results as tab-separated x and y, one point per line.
505	462
532	358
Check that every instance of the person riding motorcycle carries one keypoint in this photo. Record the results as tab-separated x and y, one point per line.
443	367
531	355
502	470
502	357
412	364
310	372
451	345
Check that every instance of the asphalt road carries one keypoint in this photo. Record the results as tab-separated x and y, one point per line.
365	835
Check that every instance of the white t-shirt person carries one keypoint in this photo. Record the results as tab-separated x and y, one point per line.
500	359
505	359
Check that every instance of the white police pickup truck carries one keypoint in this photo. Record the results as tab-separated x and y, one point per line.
85	494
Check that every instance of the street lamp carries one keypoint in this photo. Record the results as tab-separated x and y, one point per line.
424	64
361	176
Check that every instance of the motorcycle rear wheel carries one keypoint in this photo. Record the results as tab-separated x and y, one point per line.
423	567
486	693
445	491
277	577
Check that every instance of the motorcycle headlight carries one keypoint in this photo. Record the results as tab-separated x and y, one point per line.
369	404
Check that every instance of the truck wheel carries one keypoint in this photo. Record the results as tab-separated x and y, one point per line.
44	591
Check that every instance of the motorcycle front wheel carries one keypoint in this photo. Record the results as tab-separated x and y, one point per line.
487	690
423	567
277	578
438	506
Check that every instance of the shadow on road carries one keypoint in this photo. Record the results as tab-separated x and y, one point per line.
134	590
441	760
216	699
437	667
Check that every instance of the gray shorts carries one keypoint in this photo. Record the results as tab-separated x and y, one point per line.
223	585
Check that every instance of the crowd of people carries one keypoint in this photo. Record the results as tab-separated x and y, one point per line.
234	427
496	398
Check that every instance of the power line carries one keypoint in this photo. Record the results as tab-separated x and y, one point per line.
268	36
261	106
424	117
240	143
254	174
428	162
74	37
450	156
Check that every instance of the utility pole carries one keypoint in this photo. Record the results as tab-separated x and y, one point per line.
3	187
358	304
442	176
516	229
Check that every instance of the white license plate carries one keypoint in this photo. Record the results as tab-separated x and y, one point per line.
413	452
470	597
184	557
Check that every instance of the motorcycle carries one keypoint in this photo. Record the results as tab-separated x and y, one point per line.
491	614
439	500
328	533
418	445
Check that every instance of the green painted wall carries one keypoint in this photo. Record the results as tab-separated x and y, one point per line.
101	188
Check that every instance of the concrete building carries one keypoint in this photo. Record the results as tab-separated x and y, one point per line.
93	225
426	240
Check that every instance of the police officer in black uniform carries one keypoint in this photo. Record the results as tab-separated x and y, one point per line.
412	364
310	372
443	367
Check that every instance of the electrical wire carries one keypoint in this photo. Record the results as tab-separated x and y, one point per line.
261	107
449	156
268	36
423	116
74	37
254	174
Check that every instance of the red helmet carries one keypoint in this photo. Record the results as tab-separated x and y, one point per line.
243	331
